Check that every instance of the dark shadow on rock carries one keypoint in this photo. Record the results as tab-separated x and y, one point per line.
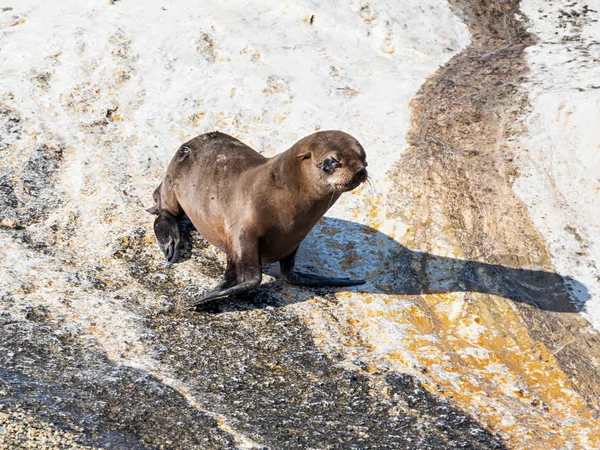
359	251
408	272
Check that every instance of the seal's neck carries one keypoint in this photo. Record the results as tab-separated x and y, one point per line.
297	183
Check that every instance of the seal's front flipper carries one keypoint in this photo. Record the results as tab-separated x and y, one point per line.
220	293
288	273
167	234
243	272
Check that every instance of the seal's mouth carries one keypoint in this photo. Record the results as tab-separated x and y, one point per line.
349	186
358	178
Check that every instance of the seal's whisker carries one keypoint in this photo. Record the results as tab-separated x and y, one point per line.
371	185
332	194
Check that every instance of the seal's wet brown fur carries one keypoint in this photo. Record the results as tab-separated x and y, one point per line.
256	209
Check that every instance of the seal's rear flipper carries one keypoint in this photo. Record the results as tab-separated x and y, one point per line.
289	275
167	235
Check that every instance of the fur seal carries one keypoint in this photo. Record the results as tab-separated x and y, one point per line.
256	209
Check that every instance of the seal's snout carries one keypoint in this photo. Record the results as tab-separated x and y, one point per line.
361	175
358	178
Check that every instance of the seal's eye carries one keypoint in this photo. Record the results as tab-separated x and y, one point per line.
329	165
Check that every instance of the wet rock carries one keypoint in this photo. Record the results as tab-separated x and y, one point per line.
48	375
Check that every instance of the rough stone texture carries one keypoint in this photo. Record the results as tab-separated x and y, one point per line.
465	335
72	389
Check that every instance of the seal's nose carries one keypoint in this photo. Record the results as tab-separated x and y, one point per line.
361	175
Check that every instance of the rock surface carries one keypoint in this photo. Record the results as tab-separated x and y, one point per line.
477	236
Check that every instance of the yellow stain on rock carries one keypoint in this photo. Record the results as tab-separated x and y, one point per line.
370	210
196	118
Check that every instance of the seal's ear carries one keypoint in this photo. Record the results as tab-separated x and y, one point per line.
304	155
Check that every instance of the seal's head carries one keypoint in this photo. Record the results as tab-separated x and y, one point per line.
336	160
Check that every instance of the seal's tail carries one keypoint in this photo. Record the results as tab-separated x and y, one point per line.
156	195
